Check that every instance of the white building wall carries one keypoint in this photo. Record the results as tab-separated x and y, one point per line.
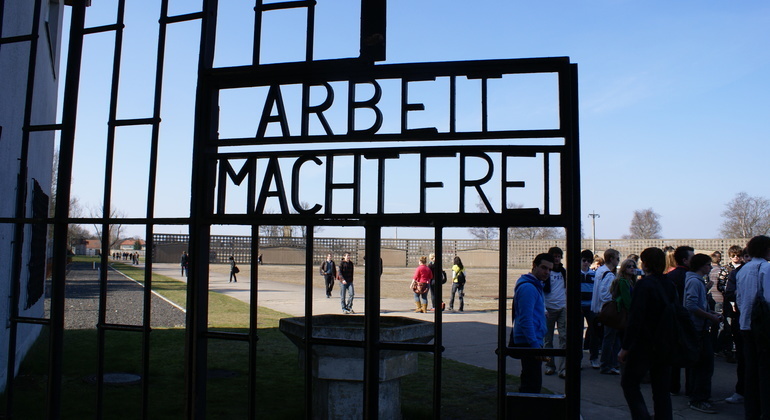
14	60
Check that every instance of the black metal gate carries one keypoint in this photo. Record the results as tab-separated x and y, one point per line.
374	138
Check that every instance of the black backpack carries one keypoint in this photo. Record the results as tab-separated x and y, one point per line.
674	339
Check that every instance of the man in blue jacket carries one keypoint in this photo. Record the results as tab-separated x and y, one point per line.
529	326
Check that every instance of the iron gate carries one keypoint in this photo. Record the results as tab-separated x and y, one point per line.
372	139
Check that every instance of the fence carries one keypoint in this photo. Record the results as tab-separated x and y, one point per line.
406	252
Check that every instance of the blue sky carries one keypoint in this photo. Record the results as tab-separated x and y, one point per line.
673	96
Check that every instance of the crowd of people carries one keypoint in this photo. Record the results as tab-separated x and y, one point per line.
126	256
631	307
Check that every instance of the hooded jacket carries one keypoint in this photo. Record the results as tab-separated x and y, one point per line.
529	312
695	298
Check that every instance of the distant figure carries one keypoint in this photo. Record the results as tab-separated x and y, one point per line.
259	259
647	305
345	276
184	261
603	294
593	337
754	275
422	278
735	325
529	327
670	261
233	270
458	284
555	292
598	262
682	255
703	318
436	277
329	271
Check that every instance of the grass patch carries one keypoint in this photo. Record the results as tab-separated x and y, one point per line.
467	391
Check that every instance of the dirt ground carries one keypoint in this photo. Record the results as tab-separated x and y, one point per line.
481	289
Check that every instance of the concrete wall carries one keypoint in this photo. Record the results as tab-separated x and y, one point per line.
14	61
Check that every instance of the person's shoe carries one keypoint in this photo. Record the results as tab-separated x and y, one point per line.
734	399
550	371
345	311
703	407
596	364
563	374
613	371
350	311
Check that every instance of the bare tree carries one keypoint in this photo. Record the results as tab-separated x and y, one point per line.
115	232
483	233
533	232
644	225
75	232
746	216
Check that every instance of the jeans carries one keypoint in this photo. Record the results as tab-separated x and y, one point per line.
557	318
594	333
637	364
457	287
421	298
610	349
347	289
700	373
329	282
757	387
531	373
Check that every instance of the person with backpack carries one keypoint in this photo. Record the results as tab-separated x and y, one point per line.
651	296
458	283
700	373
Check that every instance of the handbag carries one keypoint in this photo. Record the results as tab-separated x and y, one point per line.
760	317
236	269
420	288
612	317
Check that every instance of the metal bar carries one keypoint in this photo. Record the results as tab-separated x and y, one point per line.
28	320
19	38
141	121
372	273
200	231
257	43
309	33
287	5
502	317
253	320
438	338
106	28
572	196
107	208
373	29
226	335
44	127
21	209
63	190
308	337
121	327
182	18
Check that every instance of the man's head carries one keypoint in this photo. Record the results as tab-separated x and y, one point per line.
432	257
682	255
759	246
328	257
542	266
701	264
557	254
611	258
735	253
716	257
586	258
653	261
346	257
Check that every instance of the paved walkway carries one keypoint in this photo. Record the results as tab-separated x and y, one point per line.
471	337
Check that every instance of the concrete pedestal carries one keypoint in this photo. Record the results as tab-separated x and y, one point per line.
338	372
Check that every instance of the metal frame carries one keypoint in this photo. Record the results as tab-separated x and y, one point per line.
207	159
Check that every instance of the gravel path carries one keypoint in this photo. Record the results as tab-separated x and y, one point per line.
124	301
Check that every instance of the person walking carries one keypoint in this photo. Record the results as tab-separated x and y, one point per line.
329	272
555	292
593	335
529	325
233	271
458	284
184	261
650	297
437	276
421	284
345	276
